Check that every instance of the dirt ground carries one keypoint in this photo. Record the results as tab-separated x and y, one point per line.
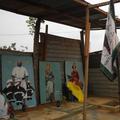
70	111
48	112
96	114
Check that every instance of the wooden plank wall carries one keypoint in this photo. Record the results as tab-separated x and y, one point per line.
60	49
99	85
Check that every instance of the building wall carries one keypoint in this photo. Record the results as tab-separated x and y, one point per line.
56	49
99	85
60	49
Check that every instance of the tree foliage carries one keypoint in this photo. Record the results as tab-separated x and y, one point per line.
31	22
12	47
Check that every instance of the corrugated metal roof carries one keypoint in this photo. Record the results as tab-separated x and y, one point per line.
67	12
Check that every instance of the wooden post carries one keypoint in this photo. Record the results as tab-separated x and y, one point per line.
86	55
82	47
36	59
46	29
44	43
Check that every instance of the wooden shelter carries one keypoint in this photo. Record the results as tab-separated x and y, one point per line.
68	12
76	13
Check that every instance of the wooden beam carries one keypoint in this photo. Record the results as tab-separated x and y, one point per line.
95	5
77	25
103	4
36	59
97	16
66	17
54	14
86	56
81	2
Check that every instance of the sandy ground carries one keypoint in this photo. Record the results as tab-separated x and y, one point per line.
96	114
48	112
65	112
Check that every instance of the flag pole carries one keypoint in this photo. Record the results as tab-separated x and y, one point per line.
86	55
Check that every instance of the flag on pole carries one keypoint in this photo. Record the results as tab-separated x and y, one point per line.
110	46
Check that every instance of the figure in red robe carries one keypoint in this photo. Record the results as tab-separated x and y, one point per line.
75	76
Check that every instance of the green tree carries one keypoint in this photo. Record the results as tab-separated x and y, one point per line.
31	22
4	47
12	47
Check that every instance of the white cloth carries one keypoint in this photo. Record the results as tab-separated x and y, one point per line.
24	85
19	72
49	88
3	107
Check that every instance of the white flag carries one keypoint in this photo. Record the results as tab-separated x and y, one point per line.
109	53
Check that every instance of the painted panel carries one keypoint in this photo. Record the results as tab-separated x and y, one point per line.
74	69
8	63
50	82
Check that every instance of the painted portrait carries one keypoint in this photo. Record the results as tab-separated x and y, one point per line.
50	82
18	80
74	73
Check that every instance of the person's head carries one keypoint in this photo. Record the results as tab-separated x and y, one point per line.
48	67
19	63
74	66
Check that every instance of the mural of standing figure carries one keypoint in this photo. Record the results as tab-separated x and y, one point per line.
49	77
18	69
20	73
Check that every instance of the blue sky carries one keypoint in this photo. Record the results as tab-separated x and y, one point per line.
13	28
